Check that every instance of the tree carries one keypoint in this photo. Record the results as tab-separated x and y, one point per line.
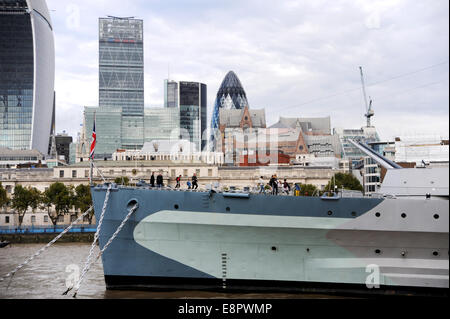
61	198
4	200
122	181
23	199
307	189
346	181
83	200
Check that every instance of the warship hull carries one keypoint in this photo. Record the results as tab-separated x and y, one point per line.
249	242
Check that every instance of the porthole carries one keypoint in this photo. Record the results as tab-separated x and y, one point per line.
377	214
403	215
435	253
228	209
274	248
354	214
176	206
308	250
436	216
330	213
377	251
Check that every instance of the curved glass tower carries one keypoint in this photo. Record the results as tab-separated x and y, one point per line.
231	95
27	74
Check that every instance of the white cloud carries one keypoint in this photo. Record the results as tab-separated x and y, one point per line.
292	58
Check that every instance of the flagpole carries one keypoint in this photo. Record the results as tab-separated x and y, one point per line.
91	158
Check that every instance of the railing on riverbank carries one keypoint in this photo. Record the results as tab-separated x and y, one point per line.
46	230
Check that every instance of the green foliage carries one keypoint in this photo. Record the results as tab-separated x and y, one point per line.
122	181
307	189
83	200
61	197
4	200
346	181
23	199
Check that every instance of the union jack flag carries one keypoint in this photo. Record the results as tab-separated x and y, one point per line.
94	142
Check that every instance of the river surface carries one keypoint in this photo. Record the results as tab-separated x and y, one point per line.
46	277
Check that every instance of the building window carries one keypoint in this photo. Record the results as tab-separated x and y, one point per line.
173	173
61	173
45	219
61	219
210	172
185	173
74	174
73	218
86	173
6	219
197	171
33	219
111	172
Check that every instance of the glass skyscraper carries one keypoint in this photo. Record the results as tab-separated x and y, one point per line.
121	65
120	115
27	74
231	95
190	98
170	94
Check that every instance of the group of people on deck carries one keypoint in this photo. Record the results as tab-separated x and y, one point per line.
160	181
275	186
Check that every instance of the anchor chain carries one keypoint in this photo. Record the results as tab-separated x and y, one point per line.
26	262
131	212
87	264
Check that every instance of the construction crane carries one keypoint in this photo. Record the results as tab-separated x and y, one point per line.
369	110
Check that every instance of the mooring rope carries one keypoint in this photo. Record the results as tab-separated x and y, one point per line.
26	262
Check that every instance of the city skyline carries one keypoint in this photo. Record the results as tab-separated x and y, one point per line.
291	62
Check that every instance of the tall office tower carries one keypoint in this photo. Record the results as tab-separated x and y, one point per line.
193	112
231	95
27	75
121	75
121	64
191	100
171	96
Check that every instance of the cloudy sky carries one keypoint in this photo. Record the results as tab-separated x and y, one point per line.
294	58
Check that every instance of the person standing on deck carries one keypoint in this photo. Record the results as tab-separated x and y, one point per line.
159	181
152	180
274	184
194	181
286	187
261	185
178	182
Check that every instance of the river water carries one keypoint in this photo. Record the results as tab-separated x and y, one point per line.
46	276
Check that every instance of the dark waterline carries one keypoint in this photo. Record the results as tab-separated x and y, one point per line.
45	277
